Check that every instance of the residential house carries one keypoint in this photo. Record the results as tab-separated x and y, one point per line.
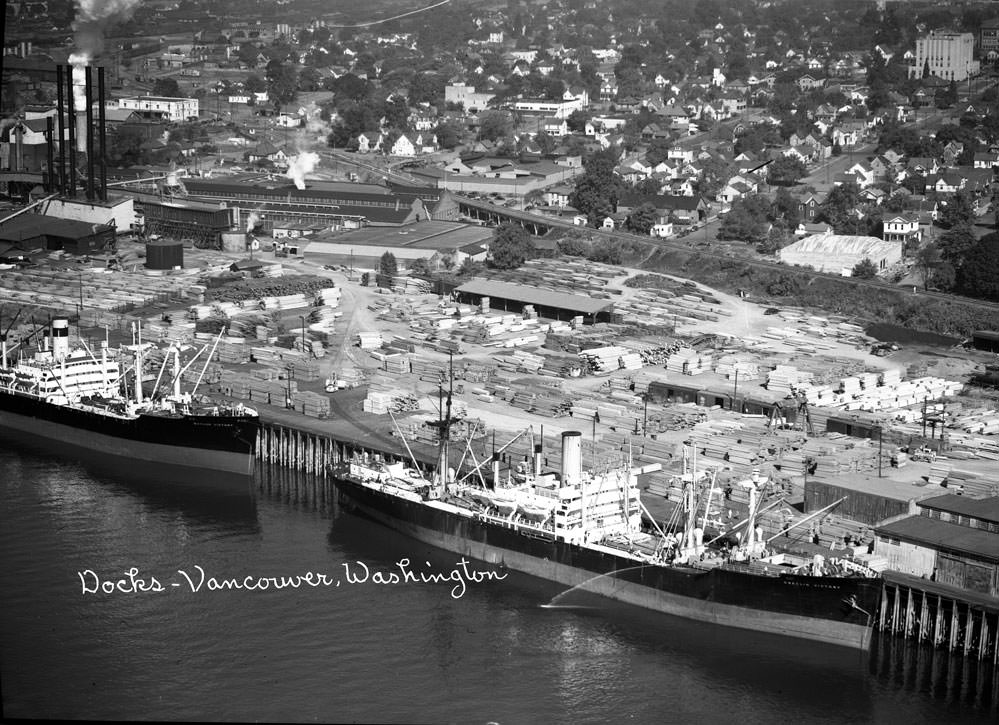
923	165
901	228
864	173
986	159
556	127
557	196
808	206
947	182
369	141
662	228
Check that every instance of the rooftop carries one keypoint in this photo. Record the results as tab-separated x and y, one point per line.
944	536
535	296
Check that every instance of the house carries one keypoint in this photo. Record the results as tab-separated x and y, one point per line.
901	228
369	141
684	209
805	230
661	228
863	172
267	151
808	206
986	159
947	182
557	196
556	127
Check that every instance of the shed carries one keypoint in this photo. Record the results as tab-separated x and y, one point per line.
869	500
548	303
839	253
985	340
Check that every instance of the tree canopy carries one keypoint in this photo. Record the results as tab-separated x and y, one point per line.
510	246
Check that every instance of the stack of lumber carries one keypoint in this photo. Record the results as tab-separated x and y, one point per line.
311	404
369	340
785	377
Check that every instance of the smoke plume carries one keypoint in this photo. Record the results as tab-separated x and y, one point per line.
93	17
299	166
251	221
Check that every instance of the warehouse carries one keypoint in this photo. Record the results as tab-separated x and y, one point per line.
953	541
38	232
362	248
839	253
547	303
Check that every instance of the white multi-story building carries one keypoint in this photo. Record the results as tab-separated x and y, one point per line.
949	56
172	109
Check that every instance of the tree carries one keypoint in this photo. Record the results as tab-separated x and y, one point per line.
449	133
641	220
167	87
282	82
959	211
955	243
606	251
388	269
785	207
979	275
928	262
577	120
864	269
596	191
495	125
510	246
785	171
746	221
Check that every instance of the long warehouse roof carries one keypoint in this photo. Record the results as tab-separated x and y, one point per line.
535	296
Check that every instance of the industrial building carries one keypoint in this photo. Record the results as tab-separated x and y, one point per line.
840	253
547	303
952	541
362	248
36	233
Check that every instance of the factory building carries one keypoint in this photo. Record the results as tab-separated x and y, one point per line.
839	253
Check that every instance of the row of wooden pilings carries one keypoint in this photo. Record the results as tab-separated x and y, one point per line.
308	452
943	621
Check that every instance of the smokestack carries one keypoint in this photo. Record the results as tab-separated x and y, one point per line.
71	120
572	458
537	459
88	82
496	470
60	338
50	182
62	130
102	130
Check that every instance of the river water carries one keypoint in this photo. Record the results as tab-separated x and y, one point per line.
450	651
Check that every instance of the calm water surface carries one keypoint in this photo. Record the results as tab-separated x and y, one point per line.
368	652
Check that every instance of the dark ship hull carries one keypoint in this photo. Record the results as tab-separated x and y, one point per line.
835	610
212	442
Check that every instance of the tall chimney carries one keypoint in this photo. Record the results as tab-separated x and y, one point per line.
71	120
572	458
102	130
62	130
88	94
50	181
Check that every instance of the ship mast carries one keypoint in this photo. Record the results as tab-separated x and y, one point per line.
444	427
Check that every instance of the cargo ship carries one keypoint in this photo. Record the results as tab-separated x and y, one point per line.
590	531
74	398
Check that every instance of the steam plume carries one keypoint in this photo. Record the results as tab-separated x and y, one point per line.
299	166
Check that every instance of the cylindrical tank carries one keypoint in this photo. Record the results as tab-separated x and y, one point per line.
164	254
572	458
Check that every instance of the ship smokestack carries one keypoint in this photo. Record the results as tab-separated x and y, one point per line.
537	459
60	338
572	458
496	470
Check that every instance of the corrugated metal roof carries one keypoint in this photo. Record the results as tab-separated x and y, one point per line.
981	508
535	296
944	536
871	247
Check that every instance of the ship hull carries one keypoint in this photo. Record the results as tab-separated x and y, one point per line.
813	608
219	443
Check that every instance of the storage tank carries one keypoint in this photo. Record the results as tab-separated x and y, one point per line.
164	254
